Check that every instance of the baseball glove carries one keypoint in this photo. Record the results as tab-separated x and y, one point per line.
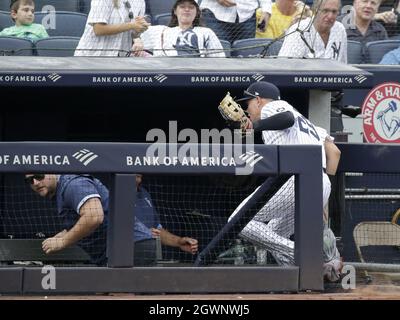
233	113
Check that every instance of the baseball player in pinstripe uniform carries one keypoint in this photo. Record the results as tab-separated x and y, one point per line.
281	124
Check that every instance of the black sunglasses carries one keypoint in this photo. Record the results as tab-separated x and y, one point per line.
30	179
128	6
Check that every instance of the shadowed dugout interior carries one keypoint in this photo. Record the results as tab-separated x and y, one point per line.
192	206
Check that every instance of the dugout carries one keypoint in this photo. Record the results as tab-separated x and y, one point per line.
106	99
120	100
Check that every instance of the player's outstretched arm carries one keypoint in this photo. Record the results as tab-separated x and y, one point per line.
184	243
278	121
91	216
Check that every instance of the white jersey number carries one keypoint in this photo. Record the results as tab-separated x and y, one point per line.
307	127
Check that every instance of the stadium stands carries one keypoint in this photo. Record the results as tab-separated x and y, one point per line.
156	7
85	6
57	46
4	5
5	20
227	46
10	46
254	47
354	52
70	5
162	19
71	16
273	49
66	23
377	49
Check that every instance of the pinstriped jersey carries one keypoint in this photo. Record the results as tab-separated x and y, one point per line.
301	132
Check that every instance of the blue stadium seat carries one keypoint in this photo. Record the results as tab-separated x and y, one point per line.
5	5
255	47
354	52
59	5
274	48
70	24
227	46
57	46
85	6
395	37
5	20
162	19
156	7
377	49
11	46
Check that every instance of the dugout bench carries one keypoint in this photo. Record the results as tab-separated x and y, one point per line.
25	250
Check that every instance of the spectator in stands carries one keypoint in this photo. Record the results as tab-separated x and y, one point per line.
113	28
284	14
390	19
184	35
234	19
360	24
392	57
146	213
23	14
83	202
318	37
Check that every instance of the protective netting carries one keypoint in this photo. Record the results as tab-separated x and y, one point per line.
177	217
210	30
370	229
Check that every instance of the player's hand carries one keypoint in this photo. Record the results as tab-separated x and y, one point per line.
140	24
387	17
188	245
226	3
53	244
249	124
155	232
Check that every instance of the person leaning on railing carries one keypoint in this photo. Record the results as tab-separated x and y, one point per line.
83	204
113	28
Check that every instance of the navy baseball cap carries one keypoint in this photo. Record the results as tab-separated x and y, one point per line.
261	89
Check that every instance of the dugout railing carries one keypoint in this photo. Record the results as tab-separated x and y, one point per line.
120	275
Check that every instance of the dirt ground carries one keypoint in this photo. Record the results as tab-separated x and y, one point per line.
365	292
384	286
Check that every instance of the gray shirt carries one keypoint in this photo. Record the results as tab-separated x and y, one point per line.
374	32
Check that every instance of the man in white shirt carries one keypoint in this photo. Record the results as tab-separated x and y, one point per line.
234	19
318	37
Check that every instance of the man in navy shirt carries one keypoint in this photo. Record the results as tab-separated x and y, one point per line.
82	203
146	213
